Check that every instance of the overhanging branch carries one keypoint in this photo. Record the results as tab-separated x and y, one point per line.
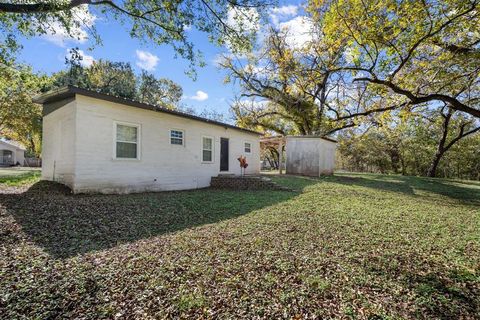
414	99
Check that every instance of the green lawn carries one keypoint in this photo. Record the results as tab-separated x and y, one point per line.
16	176
351	246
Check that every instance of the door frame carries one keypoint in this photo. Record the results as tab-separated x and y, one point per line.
227	155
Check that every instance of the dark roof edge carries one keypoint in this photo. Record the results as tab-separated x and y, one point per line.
71	91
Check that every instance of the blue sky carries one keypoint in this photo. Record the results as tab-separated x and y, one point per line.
47	54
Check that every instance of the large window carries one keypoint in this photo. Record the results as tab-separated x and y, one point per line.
176	137
126	141
207	149
248	147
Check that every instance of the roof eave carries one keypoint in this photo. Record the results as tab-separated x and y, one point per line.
54	95
71	91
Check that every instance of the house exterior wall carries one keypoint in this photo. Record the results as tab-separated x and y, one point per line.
18	155
161	166
58	145
310	156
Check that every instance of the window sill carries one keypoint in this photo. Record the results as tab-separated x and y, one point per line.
126	159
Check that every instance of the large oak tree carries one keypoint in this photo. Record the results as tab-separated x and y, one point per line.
420	51
291	89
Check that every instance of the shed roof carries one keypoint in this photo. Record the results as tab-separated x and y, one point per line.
13	143
70	92
315	137
277	139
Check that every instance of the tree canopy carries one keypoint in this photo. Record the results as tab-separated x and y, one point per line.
417	51
159	22
20	118
119	79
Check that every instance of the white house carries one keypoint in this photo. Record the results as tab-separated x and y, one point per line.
94	142
11	153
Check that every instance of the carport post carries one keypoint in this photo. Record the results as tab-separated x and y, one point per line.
280	153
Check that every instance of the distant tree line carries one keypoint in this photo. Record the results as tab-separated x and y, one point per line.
118	79
410	148
21	119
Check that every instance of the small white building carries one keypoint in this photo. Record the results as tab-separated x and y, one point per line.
310	155
304	155
11	153
94	142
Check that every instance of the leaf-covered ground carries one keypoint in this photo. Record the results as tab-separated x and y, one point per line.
349	246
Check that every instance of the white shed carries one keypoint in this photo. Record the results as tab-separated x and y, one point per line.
310	155
95	142
11	153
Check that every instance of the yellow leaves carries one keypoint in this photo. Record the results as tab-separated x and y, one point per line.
385	117
405	114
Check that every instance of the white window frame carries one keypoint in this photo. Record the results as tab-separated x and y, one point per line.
213	149
244	147
139	135
170	137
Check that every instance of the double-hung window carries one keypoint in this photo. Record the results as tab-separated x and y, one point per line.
207	149
126	141
248	147
176	137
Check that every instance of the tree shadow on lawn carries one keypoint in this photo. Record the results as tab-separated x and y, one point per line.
409	185
67	225
440	291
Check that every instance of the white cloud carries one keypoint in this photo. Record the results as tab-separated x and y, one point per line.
200	96
298	31
146	60
349	54
256	69
252	104
82	21
87	60
246	23
246	19
280	13
290	10
218	59
221	58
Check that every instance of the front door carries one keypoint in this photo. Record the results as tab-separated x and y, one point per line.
223	154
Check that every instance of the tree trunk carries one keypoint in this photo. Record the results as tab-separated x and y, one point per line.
443	147
274	154
432	171
32	146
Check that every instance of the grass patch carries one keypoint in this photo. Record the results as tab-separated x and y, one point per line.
358	246
190	301
14	177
